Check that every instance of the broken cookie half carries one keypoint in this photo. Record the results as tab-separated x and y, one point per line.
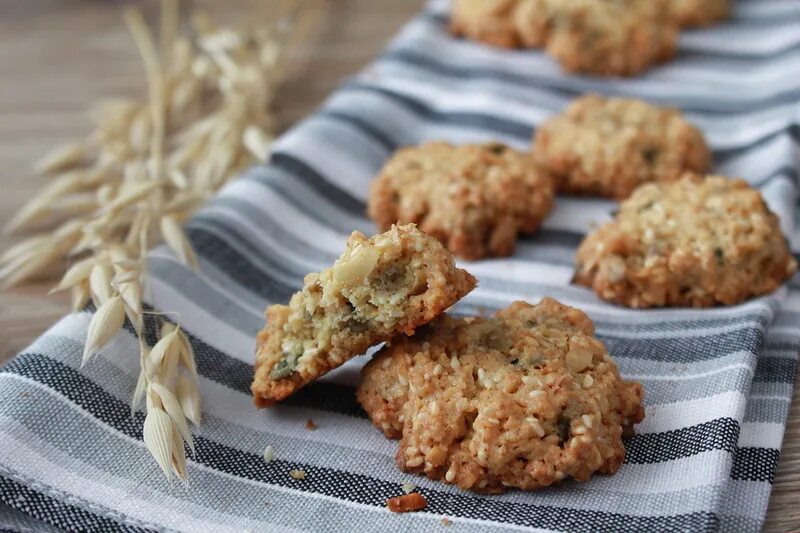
379	288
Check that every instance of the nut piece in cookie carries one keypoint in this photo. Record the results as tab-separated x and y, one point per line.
608	147
476	199
380	287
523	399
698	241
694	13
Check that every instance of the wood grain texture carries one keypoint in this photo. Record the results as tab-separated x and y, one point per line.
59	56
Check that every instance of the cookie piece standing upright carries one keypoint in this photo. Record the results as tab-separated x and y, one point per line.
380	287
474	198
609	146
698	241
694	13
523	399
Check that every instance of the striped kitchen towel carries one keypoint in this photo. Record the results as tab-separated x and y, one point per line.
718	381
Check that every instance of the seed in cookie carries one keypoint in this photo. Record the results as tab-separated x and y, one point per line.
380	287
699	241
693	13
475	198
534	398
609	146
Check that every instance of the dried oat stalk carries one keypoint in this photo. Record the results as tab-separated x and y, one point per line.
146	167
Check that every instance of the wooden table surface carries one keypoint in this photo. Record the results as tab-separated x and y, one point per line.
59	56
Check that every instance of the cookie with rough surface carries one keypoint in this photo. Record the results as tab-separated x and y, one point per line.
612	38
694	13
609	146
698	241
619	37
380	287
476	199
488	21
523	399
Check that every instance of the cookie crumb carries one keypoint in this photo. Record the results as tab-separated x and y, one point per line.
298	474
310	425
404	504
446	522
408	488
269	454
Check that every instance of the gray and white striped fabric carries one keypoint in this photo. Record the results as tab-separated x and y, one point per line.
718	381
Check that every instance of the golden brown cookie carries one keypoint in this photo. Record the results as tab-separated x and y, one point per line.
619	37
380	287
608	147
693	13
474	198
698	241
612	38
488	21
523	399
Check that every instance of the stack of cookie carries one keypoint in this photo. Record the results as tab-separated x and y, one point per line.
522	399
606	37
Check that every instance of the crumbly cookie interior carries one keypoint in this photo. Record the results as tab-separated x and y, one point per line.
378	288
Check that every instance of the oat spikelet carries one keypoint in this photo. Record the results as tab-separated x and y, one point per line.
173	408
104	325
80	296
159	352
257	142
187	353
100	282
176	239
159	438
76	274
138	392
144	169
189	397
61	157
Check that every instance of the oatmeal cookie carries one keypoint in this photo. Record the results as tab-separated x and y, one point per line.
612	38
619	37
488	21
522	399
693	13
380	287
609	146
474	198
698	241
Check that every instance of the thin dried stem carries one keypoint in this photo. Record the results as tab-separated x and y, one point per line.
143	170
